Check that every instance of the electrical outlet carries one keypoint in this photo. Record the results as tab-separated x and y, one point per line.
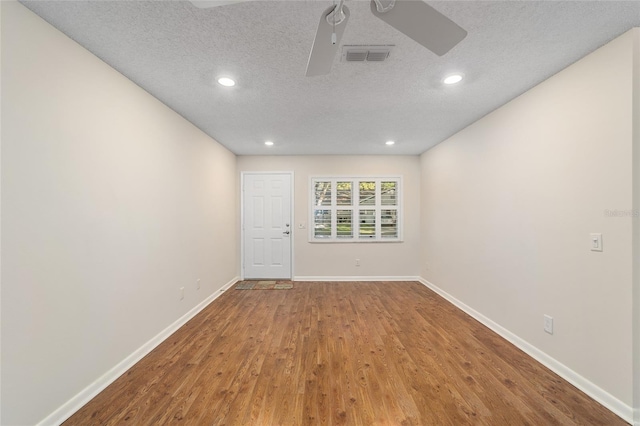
198	284
357	262
181	293
548	324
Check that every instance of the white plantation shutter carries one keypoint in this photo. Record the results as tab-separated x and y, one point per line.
355	209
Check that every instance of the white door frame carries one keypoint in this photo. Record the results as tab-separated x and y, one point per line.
291	207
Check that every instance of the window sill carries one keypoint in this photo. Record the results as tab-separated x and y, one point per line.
355	241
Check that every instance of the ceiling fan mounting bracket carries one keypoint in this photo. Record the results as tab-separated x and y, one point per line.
337	16
382	8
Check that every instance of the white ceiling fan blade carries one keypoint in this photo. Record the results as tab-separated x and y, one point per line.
205	4
424	24
323	50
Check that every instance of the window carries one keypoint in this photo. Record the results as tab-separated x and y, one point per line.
355	209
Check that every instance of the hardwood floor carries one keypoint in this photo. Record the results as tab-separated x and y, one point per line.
388	353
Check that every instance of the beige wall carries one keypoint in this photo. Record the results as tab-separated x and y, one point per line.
636	228
110	202
338	259
508	205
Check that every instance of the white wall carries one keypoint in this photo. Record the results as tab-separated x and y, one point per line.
508	205
110	202
338	259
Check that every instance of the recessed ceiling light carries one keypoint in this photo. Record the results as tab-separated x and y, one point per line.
226	81
268	143
452	79
389	143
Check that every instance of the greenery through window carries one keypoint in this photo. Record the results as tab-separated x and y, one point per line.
355	209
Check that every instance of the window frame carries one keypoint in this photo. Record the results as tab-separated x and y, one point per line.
355	208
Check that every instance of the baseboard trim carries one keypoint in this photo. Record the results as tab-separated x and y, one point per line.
600	395
87	394
353	278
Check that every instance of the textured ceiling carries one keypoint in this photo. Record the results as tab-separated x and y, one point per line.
175	50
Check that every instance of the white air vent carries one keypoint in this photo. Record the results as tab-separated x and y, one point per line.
378	55
366	53
356	55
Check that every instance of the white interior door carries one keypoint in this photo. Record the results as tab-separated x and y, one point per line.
266	226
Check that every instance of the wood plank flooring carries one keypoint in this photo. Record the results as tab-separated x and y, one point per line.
357	353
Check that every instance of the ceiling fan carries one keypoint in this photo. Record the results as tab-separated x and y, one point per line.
413	18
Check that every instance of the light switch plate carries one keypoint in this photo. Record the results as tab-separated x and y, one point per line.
596	242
